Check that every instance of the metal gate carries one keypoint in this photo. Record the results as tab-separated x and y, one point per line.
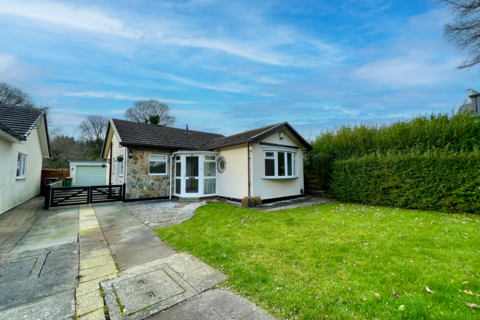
74	196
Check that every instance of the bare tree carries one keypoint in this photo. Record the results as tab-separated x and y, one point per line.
64	148
93	128
13	97
143	111
464	32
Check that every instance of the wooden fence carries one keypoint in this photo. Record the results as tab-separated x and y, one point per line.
312	184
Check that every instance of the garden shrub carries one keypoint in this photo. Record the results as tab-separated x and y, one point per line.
459	132
435	179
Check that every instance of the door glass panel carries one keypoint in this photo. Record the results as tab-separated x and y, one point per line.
178	169
289	164
209	186
281	163
191	186
192	167
178	186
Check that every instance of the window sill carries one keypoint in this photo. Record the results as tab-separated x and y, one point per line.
21	178
279	178
157	174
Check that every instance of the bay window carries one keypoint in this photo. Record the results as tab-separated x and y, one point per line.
280	164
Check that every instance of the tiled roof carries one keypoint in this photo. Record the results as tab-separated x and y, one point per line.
19	120
238	138
149	135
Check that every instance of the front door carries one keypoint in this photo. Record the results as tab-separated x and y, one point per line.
191	174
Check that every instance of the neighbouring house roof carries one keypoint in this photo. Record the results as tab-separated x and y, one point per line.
18	123
257	135
134	134
20	120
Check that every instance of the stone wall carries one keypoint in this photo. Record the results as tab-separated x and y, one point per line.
141	185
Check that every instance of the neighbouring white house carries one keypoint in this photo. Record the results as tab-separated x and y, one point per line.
163	162
471	103
24	143
88	173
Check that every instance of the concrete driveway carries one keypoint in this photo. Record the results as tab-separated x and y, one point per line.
88	260
38	262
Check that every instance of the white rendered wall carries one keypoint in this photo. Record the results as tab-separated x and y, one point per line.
117	151
14	191
233	182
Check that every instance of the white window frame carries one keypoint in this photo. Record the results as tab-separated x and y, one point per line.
120	170
23	166
166	164
275	159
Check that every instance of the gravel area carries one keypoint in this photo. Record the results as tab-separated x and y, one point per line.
158	214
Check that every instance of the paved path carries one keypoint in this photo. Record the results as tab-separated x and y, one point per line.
72	260
38	262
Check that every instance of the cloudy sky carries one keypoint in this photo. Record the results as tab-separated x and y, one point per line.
228	66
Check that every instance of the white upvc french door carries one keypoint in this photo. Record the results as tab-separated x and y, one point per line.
195	175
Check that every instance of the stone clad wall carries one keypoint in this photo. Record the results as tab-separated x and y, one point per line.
139	183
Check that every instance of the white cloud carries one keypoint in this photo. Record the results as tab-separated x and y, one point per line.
119	96
6	61
229	87
269	45
407	71
67	15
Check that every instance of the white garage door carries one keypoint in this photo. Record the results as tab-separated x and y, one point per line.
91	176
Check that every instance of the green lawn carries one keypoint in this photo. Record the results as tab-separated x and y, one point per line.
330	260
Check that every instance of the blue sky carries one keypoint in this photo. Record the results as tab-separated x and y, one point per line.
229	66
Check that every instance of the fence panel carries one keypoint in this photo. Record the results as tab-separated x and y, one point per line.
69	196
312	185
106	193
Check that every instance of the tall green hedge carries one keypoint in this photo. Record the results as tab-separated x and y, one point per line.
459	132
438	179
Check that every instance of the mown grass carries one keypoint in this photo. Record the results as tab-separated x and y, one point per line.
330	260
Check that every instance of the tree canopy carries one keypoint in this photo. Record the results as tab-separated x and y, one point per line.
14	97
150	111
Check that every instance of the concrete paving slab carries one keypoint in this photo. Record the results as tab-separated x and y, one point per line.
150	240
29	290
95	262
94	253
93	246
56	306
116	235
62	259
21	268
92	285
126	258
39	242
97	272
98	314
214	304
88	303
146	293
197	273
